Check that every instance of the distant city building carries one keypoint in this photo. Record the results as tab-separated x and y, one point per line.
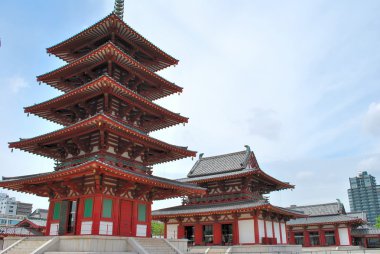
10	207
364	196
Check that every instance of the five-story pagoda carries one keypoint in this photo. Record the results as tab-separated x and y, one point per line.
103	183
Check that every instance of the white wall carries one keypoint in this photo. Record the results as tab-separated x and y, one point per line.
172	231
105	228
343	236
246	231
86	228
261	230
283	232
141	230
54	229
277	231
269	228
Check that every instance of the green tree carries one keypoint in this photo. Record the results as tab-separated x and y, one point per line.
157	228
377	225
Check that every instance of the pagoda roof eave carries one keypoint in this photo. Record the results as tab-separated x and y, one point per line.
99	121
92	167
98	86
122	28
99	55
226	208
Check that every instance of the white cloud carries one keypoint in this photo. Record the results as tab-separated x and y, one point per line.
372	119
16	84
370	164
264	123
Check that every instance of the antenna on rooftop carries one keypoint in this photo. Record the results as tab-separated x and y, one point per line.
119	8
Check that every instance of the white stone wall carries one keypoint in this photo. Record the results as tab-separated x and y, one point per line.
283	232
269	228
246	231
277	231
261	230
343	236
172	231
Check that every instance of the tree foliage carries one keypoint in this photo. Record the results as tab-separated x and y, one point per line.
377	225
157	228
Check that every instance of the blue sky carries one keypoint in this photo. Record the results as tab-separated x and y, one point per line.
298	81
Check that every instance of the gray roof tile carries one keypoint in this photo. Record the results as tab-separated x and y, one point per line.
188	209
221	164
320	209
328	219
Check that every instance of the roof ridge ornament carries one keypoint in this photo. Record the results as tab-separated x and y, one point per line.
119	8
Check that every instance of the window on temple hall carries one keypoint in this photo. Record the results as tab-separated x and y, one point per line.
314	238
208	236
298	237
88	203
142	212
57	211
330	237
107	208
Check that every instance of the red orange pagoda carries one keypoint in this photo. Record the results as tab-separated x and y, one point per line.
102	183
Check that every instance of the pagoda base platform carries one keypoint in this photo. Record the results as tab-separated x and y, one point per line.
92	244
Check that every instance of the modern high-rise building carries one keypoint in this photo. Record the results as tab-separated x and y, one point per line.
10	207
364	195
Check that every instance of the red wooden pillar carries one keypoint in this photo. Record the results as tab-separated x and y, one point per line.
273	232
198	234
306	238
166	229
279	230
149	220
292	239
217	233
337	238
349	234
116	216
49	217
79	218
181	229
322	237
135	218
235	230
96	215
256	227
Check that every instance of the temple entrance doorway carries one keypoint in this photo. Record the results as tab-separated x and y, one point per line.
68	216
227	234
189	234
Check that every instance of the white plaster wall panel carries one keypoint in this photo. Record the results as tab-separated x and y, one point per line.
283	232
246	231
261	230
141	230
86	228
343	236
54	228
277	231
269	228
172	231
105	228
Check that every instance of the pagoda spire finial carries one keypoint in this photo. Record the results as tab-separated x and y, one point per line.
119	8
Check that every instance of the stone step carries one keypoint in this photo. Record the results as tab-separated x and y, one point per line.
86	252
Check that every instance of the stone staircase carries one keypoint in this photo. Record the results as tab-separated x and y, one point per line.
26	245
155	246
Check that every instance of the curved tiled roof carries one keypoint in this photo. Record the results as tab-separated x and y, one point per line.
18	183
320	209
220	164
101	28
328	219
230	207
